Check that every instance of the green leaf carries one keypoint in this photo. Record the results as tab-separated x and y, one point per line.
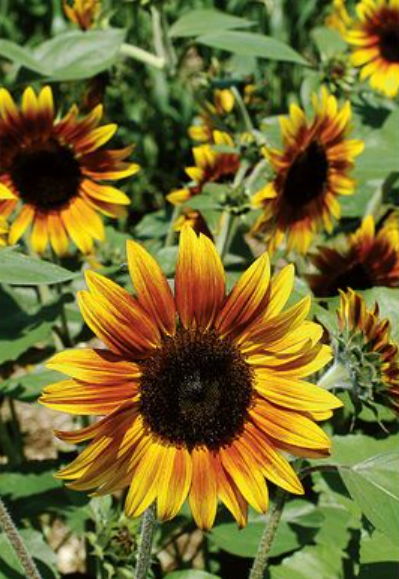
380	154
252	44
72	55
312	561
374	486
329	42
19	269
28	387
244	542
197	22
378	548
351	449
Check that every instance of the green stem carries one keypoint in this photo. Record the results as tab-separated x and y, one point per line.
266	541
225	237
18	544
145	545
171	232
142	55
243	109
16	431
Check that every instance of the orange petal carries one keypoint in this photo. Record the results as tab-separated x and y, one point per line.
203	492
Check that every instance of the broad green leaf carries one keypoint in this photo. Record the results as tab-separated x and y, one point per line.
378	548
197	22
313	561
20	485
374	486
252	44
72	55
21	329
354	448
28	387
328	41
21	56
19	269
379	157
244	542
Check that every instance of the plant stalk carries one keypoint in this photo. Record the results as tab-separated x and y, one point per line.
266	541
142	55
18	544
145	546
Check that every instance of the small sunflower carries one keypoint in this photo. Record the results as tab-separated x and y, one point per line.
369	259
51	172
211	165
310	173
202	393
82	12
375	41
365	347
221	105
338	18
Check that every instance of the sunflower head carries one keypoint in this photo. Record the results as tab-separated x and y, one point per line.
201	392
82	12
52	172
222	103
311	172
374	38
364	346
368	259
211	165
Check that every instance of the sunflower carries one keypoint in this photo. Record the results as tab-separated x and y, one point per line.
221	105
366	347
338	18
310	173
211	165
202	393
375	41
82	12
369	259
51	172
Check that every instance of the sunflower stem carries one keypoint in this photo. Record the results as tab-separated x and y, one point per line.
145	545
266	541
142	55
171	231
224	239
243	109
17	543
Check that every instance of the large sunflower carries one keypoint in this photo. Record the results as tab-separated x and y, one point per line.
369	259
51	172
375	40
82	12
201	391
310	174
367	349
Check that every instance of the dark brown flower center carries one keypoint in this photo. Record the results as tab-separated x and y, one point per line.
307	177
196	390
389	42
46	175
356	277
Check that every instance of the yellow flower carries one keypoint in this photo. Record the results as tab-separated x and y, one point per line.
202	392
3	231
82	12
375	41
368	259
210	166
52	171
338	19
223	103
310	174
366	347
